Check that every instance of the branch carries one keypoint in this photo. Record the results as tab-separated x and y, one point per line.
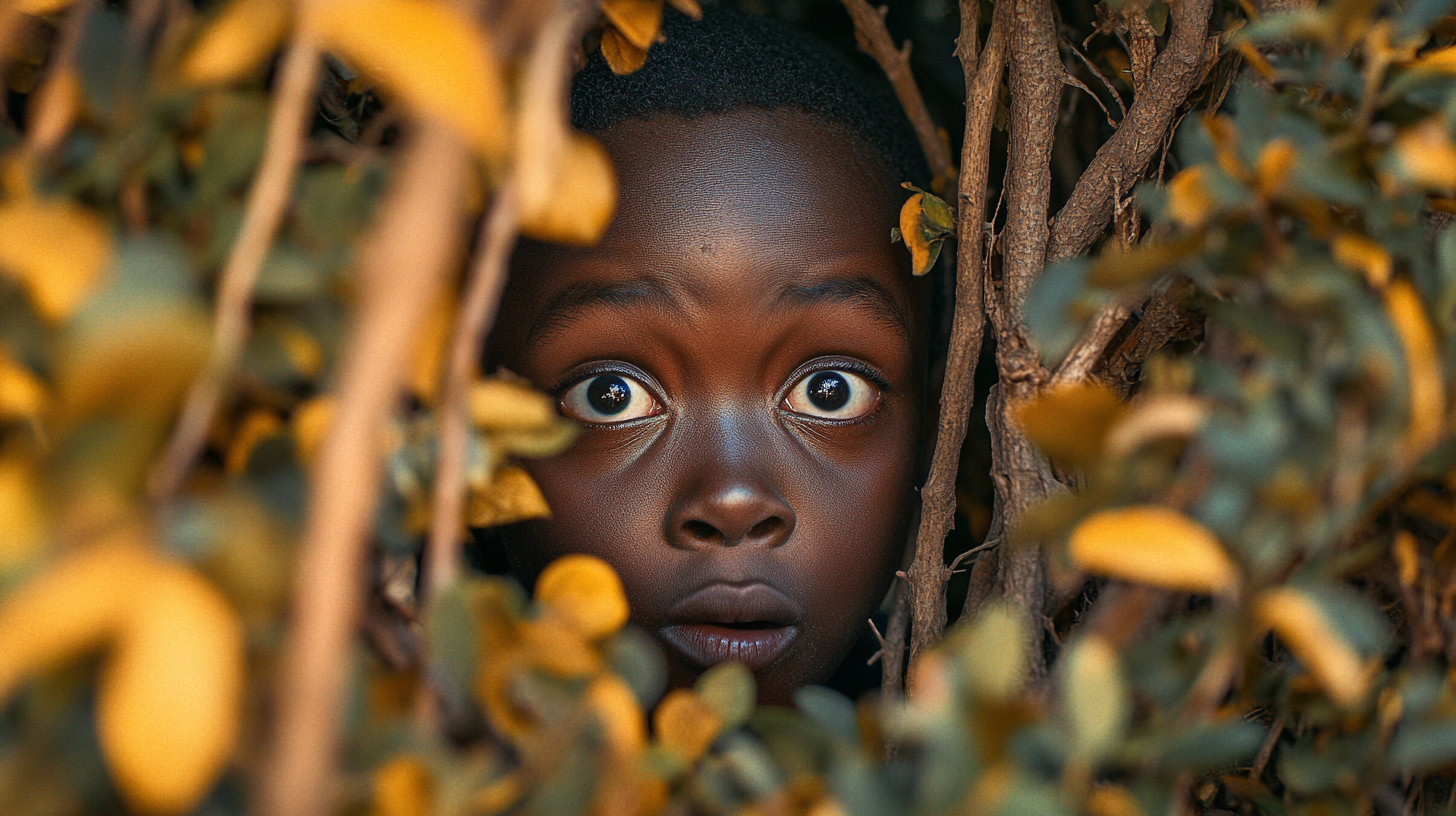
1121	162
402	271
928	574
267	200
874	39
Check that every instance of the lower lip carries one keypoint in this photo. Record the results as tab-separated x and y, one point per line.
708	645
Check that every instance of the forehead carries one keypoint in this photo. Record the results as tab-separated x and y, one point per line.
746	205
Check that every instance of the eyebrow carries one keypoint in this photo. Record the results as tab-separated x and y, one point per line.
571	302
864	293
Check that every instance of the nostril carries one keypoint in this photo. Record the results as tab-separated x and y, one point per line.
766	528
701	530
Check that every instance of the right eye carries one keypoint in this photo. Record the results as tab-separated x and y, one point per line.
607	399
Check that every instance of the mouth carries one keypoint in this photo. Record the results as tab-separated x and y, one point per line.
753	624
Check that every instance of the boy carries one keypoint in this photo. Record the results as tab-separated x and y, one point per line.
745	348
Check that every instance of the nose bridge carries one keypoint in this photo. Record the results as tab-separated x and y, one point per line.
728	490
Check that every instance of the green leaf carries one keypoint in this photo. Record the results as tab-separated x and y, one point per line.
729	689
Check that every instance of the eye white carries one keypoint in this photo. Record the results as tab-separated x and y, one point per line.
832	394
608	398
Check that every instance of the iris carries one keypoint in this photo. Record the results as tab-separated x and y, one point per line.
828	390
609	394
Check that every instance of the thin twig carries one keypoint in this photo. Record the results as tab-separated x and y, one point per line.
874	39
928	574
1266	751
403	270
267	201
1083	356
1106	83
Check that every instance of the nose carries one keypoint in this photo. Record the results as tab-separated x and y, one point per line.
730	512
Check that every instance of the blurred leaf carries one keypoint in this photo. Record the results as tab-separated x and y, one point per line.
511	496
1300	623
584	591
1426	156
237	41
992	652
686	724
578	203
403	786
1070	422
623	724
22	515
621	55
509	405
1094	697
1153	545
56	249
310	423
428	54
830	709
729	689
636	658
1423	366
1364	256
22	396
1189	203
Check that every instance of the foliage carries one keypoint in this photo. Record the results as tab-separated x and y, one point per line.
1266	526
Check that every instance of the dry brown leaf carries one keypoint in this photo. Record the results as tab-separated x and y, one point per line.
621	55
688	7
1150	544
1298	621
237	41
585	591
510	497
639	21
578	203
1070	423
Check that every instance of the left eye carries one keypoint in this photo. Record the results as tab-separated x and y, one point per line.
832	395
607	399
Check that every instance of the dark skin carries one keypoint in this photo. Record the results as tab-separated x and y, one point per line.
745	348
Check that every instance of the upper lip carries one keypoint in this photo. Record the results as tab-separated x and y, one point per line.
727	603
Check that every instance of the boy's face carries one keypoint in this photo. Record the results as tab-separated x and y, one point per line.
745	350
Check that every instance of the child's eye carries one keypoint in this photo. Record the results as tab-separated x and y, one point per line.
832	395
609	398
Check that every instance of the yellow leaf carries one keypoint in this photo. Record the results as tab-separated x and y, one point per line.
237	41
638	20
585	591
1112	800
1298	621
1149	544
1423	366
1427	156
510	405
556	646
256	426
624	729
621	55
169	702
925	221
496	797
1188	200
1407	558
139	362
577	206
431	56
1158	417
1070	422
431	349
71	608
40	8
21	394
1364	256
686	724
55	249
688	7
310	423
510	497
1442	61
1094	696
22	514
1272	170
403	786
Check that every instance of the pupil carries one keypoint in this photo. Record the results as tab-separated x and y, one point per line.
828	390
609	394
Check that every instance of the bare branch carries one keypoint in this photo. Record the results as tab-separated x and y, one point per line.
267	200
403	270
928	574
874	39
1121	162
1083	357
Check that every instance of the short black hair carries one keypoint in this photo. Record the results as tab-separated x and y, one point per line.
731	60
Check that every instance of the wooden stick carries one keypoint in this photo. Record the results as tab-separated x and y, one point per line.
262	217
928	574
402	271
874	39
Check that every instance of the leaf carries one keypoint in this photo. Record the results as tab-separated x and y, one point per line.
1300	623
428	54
1162	416
1423	366
992	652
585	591
1426	155
621	55
55	249
1094	697
237	41
925	222
688	7
22	514
624	727
1271	170
1407	558
510	497
639	21
1150	544
577	204
729	689
1189	203
686	724
510	405
137	362
432	345
403	786
258	425
1070	422
21	394
169	701
1364	256
40	8
310	423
